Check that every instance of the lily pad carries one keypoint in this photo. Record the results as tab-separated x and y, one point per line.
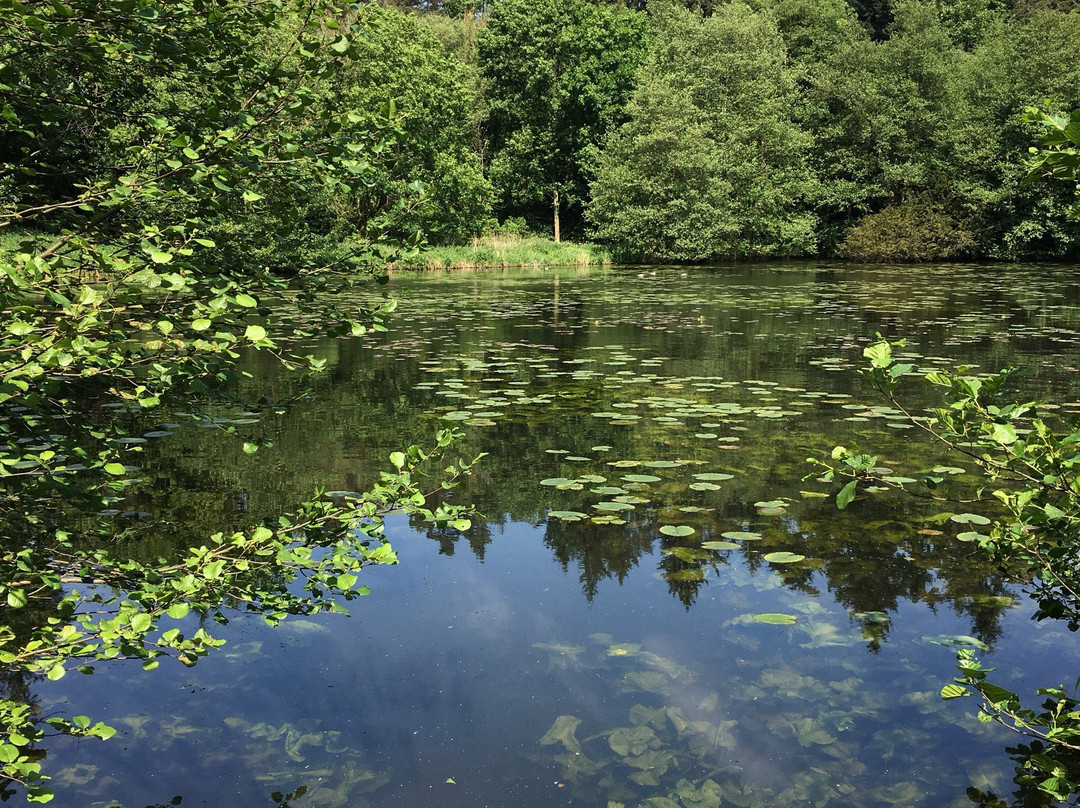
948	470
784	557
640	478
677	530
771	510
969	519
613	506
719	545
608	490
561	482
704	487
741	535
711	477
456	415
776	618
607	519
568	516
591	478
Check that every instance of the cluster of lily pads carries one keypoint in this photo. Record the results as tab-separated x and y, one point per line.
692	496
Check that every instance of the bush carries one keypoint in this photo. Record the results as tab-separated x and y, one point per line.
910	231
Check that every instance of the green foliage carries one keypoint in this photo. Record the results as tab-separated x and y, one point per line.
433	182
1031	465
1058	155
1050	763
168	166
558	74
710	164
914	230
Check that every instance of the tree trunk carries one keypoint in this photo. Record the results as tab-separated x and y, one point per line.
555	202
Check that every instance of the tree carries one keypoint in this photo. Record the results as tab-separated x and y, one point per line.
710	164
558	74
151	152
400	58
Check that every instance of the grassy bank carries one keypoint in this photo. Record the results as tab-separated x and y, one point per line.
508	251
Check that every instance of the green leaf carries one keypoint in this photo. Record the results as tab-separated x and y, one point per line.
255	333
115	469
17	598
996	695
201	324
952	691
250	448
141	622
179	610
347	580
398	460
1004	434
846	495
246	300
879	354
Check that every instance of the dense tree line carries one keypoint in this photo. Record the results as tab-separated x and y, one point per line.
677	130
880	131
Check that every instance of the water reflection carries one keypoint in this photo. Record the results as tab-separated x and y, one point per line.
643	509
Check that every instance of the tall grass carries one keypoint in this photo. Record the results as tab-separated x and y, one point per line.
506	250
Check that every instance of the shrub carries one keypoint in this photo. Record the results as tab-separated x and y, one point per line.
913	230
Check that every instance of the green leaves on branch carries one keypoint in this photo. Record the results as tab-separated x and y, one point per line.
1049	761
200	186
1030	466
1058	154
113	608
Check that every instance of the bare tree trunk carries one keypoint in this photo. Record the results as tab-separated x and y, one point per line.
555	201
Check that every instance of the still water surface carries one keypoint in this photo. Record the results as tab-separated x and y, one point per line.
596	638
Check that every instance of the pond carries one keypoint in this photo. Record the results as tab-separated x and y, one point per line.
653	607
